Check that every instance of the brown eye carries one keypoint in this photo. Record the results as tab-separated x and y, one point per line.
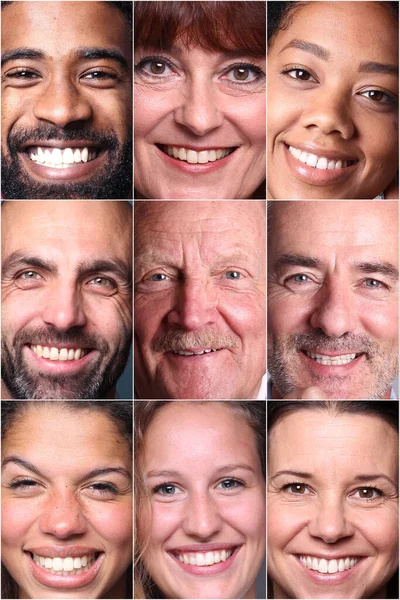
366	493
303	75
157	67
297	488
241	74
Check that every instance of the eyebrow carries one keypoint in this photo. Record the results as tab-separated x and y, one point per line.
377	67
20	259
81	53
358	478
223	468
324	54
25	464
310	47
299	260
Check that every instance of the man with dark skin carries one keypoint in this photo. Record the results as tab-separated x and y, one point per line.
66	100
66	298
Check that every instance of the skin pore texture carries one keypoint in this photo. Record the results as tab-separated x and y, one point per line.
66	284
76	95
333	291
209	502
199	287
194	99
327	99
338	501
65	510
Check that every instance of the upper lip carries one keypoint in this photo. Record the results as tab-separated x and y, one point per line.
59	144
209	547
61	551
335	556
323	152
329	353
200	148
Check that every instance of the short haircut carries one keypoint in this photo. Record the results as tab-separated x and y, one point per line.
222	26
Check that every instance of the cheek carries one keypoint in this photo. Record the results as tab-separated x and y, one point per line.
286	314
380	528
20	308
377	140
245	314
247	113
150	311
17	517
113	523
158	522
381	321
114	111
150	108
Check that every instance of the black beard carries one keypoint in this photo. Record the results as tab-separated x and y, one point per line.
95	382
113	181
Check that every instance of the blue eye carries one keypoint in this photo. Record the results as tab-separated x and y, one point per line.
159	277
234	275
300	278
229	484
166	489
373	283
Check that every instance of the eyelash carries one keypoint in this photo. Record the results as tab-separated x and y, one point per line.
110	282
379	492
22	484
139	68
390	100
159	487
291	279
102	488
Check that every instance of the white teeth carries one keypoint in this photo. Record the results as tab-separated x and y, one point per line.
323	359
193	157
204	559
61	159
328	567
185	353
65	566
63	354
318	162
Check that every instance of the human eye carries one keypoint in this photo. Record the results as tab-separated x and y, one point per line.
367	493
379	97
166	490
159	277
299	282
24	486
103	282
28	279
104	490
299	74
233	275
243	74
296	489
100	77
22	76
231	483
156	67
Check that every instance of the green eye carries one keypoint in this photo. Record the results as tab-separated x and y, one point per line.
30	275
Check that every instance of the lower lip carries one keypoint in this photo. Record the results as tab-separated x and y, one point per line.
314	176
57	367
207	571
80	171
330	578
328	370
196	169
68	582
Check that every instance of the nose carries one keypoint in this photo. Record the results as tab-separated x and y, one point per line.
329	113
62	516
61	103
330	521
194	307
64	308
335	311
198	108
202	516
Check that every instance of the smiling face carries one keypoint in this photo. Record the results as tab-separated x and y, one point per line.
338	501
333	297
333	104
66	496
199	123
66	298
205	508
66	108
199	299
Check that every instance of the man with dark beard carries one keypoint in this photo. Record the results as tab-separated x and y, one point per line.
66	100
66	298
333	299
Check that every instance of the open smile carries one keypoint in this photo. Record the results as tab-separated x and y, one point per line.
331	364
77	160
316	169
69	572
195	160
329	571
58	360
193	352
205	561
